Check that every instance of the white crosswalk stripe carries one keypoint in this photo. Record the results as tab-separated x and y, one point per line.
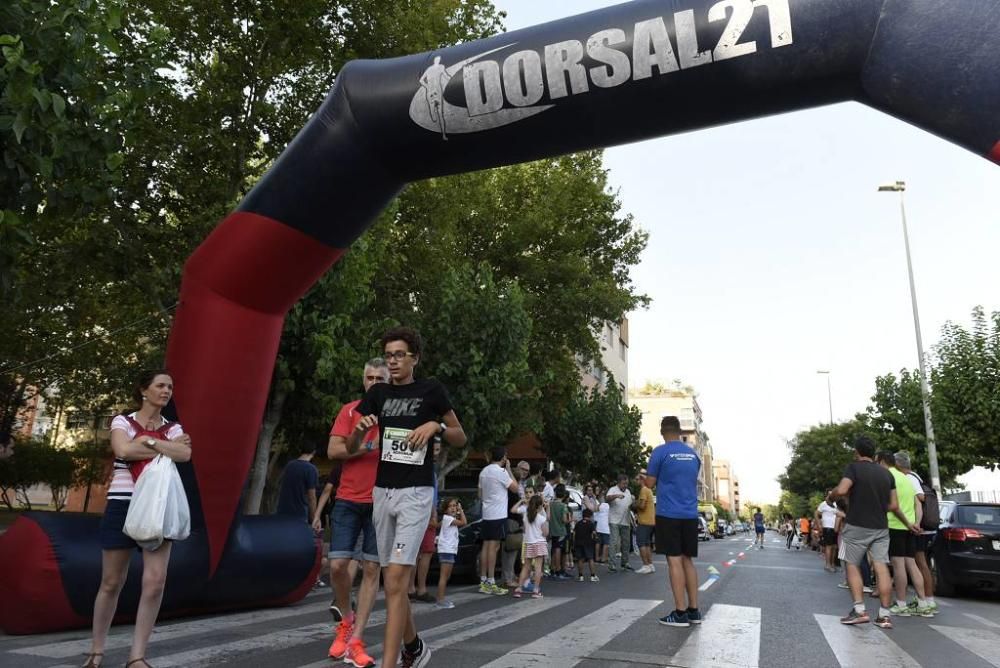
568	646
984	644
862	645
729	637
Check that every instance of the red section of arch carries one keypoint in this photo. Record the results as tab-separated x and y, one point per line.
31	576
995	153
236	290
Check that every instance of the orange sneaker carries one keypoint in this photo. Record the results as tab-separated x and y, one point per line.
356	654
343	634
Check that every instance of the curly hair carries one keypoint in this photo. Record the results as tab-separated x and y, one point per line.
408	335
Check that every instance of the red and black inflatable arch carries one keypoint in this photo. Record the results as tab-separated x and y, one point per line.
629	72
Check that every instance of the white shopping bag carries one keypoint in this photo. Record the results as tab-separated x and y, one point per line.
159	509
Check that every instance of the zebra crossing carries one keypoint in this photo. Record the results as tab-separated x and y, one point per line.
513	634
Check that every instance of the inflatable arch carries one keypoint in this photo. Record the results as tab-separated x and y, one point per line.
629	72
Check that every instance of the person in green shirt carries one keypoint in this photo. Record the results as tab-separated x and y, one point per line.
558	520
903	542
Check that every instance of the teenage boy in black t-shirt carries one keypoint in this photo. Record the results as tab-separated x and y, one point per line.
409	413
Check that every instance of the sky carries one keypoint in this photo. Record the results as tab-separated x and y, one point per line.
772	256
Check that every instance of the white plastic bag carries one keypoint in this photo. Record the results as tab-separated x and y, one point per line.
159	509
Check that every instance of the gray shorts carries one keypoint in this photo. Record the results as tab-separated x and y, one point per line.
401	517
855	542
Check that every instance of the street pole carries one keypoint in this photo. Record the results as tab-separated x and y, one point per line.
900	187
829	393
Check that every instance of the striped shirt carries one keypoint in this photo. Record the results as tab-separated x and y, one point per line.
122	485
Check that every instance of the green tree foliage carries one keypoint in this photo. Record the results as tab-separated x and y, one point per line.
819	455
597	435
965	378
35	462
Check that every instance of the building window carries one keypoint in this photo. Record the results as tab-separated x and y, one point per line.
77	420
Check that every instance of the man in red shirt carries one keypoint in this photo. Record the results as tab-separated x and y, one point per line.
353	531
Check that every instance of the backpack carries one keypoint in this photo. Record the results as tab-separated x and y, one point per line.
932	512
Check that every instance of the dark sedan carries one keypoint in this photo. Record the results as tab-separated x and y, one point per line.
966	552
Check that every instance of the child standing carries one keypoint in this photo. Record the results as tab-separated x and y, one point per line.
558	519
603	530
452	517
584	537
535	547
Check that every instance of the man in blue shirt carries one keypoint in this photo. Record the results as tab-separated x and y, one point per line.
673	474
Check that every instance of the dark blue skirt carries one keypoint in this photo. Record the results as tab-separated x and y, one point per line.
112	536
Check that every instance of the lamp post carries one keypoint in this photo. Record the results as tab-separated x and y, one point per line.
829	394
900	187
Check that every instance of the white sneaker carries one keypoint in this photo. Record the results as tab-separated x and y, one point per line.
652	568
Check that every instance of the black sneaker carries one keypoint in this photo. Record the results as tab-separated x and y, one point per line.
417	659
855	617
693	615
675	619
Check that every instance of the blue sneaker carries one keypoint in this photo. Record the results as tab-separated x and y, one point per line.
529	586
675	619
693	615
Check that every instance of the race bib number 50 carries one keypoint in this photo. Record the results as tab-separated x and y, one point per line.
396	449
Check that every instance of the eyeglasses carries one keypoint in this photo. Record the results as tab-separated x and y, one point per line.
399	356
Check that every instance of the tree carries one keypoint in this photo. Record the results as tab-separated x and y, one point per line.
965	377
597	435
819	456
552	225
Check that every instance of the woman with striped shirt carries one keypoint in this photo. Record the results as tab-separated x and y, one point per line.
135	439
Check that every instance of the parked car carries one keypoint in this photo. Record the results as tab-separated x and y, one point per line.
966	552
703	529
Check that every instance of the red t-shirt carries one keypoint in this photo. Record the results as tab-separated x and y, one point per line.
358	475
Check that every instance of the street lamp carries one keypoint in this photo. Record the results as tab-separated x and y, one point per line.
900	187
829	394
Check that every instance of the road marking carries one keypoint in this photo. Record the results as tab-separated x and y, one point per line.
469	627
982	620
567	646
982	643
862	645
708	583
729	637
122	637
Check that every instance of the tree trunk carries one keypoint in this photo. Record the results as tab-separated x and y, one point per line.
261	461
449	464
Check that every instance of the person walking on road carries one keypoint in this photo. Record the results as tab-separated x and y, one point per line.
871	492
673	473
603	527
619	500
645	524
827	513
759	528
495	481
353	530
409	413
903	534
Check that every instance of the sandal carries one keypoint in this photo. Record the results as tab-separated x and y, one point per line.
141	658
518	593
90	660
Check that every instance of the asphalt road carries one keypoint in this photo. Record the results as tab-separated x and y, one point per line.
770	608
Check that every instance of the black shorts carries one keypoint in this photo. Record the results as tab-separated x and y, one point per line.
902	543
584	552
558	542
924	541
494	529
676	538
829	536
